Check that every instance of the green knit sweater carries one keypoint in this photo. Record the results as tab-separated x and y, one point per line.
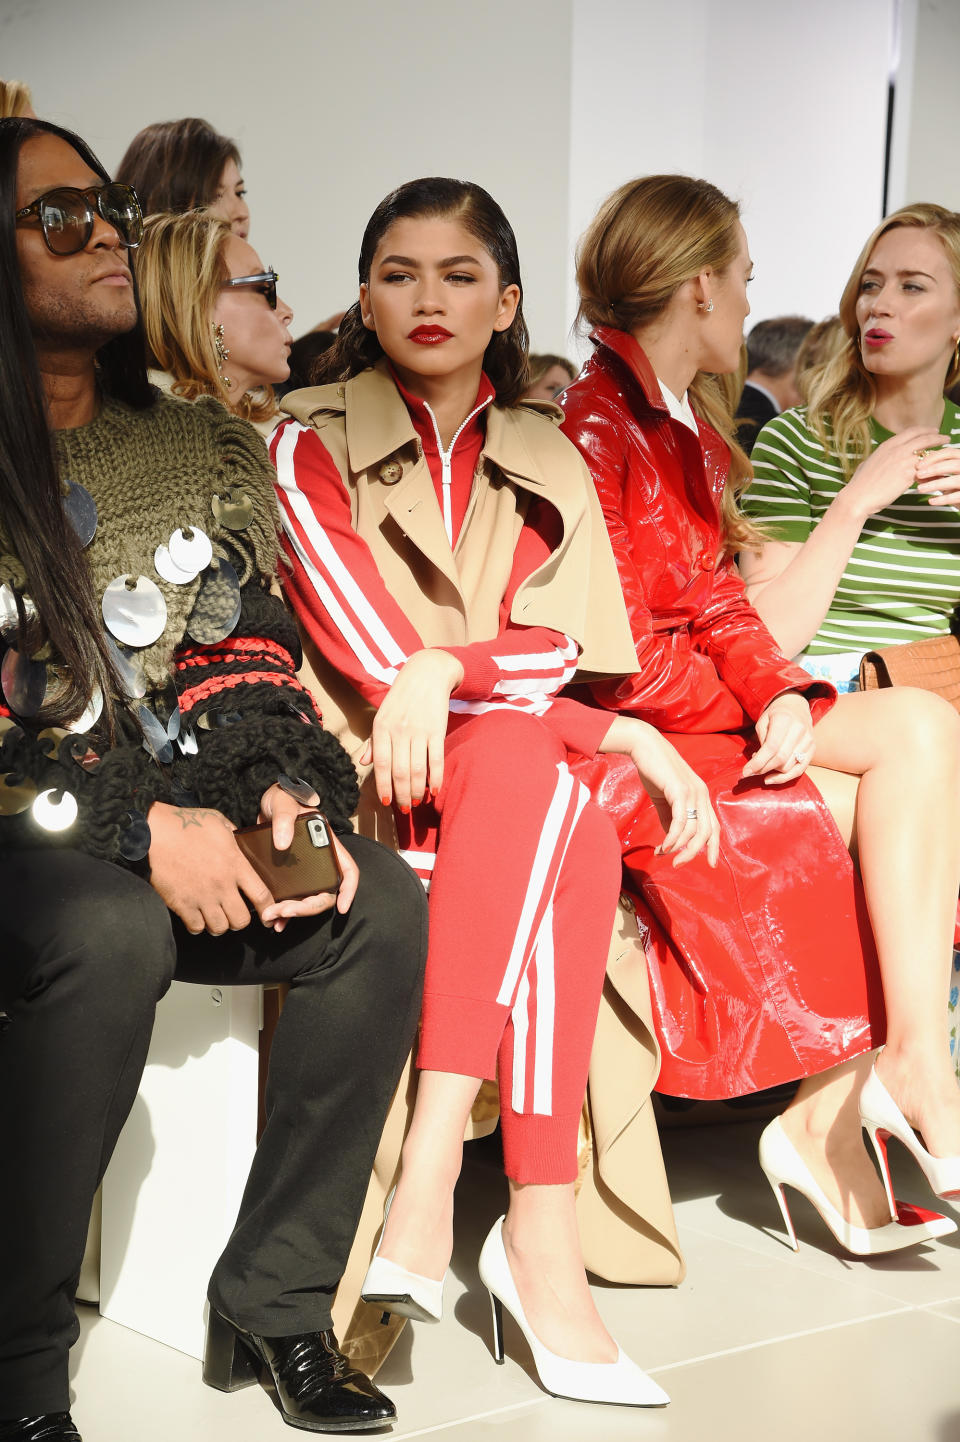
151	472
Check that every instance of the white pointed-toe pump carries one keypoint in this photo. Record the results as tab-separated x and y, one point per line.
620	1382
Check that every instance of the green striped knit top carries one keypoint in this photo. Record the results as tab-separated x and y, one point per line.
902	581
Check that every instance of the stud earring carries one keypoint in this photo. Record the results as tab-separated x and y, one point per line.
705	305
222	354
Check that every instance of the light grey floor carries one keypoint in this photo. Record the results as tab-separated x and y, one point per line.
758	1344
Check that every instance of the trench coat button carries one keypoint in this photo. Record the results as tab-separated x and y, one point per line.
390	472
707	561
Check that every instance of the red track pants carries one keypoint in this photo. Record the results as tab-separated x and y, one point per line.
523	894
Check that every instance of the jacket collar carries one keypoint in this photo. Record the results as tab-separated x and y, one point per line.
423	418
623	349
378	424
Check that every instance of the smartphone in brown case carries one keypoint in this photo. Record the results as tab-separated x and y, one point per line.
308	867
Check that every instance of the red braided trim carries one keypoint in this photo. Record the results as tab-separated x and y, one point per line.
224	650
214	685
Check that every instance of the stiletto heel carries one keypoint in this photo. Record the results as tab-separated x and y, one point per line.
882	1118
878	1140
395	1289
496	1306
227	1362
783	1166
780	1195
621	1382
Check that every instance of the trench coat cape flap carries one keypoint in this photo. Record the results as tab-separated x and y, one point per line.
525	445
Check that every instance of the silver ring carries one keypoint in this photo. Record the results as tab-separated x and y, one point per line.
692	813
800	758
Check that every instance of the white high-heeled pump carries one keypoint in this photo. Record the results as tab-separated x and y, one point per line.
783	1166
395	1289
882	1118
620	1382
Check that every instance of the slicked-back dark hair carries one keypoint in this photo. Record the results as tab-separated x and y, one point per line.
505	359
57	576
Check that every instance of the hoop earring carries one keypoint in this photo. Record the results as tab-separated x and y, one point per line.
705	305
222	355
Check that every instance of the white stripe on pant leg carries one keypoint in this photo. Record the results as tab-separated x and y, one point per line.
519	1017
543	1038
553	837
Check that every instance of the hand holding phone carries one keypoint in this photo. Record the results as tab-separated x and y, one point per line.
309	866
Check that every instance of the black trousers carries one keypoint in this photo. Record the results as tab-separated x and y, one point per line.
86	952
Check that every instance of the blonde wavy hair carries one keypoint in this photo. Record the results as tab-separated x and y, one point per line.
842	393
648	238
15	99
180	268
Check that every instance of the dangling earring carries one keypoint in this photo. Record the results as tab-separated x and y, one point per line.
222	355
956	354
706	305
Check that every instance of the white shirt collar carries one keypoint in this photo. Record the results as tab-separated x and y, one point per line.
679	409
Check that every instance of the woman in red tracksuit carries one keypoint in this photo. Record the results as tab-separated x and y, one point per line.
450	572
765	970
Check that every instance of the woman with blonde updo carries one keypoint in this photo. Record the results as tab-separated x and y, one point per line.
214	323
766	969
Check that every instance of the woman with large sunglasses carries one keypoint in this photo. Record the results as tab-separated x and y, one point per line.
214	323
450	572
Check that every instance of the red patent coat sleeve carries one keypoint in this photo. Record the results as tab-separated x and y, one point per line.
717	674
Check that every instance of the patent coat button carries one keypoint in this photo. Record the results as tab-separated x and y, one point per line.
134	610
707	561
390	472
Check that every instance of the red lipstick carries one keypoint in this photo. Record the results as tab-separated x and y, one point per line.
876	337
429	335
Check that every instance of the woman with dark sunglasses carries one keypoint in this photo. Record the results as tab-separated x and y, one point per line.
214	322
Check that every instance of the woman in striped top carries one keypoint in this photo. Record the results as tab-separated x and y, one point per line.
858	490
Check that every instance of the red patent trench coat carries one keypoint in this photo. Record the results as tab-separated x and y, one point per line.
764	969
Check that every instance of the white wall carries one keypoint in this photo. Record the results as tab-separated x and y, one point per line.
782	106
333	103
929	118
549	103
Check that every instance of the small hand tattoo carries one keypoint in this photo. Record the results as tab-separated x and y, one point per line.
197	815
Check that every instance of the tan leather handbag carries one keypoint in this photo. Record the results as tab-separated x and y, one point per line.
933	665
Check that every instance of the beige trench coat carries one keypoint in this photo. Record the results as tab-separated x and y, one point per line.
626	1220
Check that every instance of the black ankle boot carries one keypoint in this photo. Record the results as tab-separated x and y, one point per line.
51	1427
317	1388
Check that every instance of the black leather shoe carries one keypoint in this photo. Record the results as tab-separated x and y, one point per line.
51	1427
316	1386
